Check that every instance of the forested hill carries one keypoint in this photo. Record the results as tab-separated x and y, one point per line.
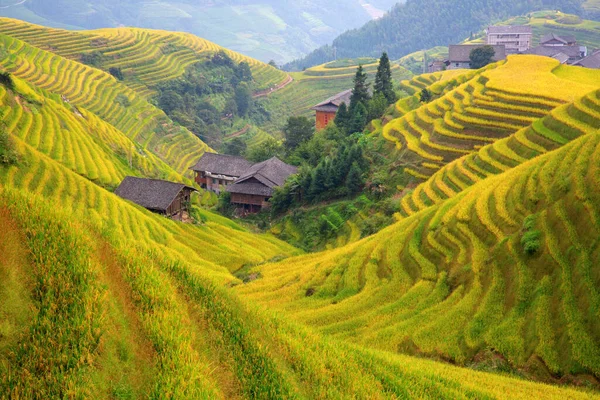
422	24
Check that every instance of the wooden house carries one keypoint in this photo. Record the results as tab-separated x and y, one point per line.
564	54
591	61
253	190
214	171
171	199
552	39
326	110
459	55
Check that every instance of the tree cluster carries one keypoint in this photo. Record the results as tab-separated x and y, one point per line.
364	108
186	99
333	166
481	56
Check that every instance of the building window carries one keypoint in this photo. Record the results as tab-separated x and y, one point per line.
214	181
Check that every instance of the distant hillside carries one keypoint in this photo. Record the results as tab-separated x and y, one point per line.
265	29
423	24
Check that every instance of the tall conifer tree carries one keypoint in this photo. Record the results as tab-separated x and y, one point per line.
383	79
360	93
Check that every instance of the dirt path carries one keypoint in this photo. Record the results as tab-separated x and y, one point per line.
266	92
239	133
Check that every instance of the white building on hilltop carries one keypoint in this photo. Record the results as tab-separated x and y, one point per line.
516	39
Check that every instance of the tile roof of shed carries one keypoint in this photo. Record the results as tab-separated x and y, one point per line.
153	194
222	164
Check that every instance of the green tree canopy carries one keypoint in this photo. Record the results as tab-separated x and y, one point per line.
268	149
482	56
360	93
235	147
383	79
297	131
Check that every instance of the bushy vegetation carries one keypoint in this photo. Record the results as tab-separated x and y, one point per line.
187	99
8	155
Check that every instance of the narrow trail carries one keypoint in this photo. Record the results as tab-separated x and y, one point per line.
266	92
239	133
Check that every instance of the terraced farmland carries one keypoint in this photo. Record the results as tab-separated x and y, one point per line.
146	57
87	89
132	304
491	260
493	104
505	264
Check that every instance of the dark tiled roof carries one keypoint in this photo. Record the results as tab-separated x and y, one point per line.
262	176
551	51
222	164
562	38
592	61
334	102
508	29
561	57
153	194
253	188
462	52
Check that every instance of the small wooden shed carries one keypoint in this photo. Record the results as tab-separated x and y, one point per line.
171	199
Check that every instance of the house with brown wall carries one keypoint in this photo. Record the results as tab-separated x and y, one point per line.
326	110
252	191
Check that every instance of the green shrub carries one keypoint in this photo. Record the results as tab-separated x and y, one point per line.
7	80
531	241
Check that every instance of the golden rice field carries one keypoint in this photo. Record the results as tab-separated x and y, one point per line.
454	279
145	56
85	89
114	301
473	110
100	298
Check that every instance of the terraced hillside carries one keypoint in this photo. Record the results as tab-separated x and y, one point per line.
495	103
316	84
103	299
500	270
82	88
146	57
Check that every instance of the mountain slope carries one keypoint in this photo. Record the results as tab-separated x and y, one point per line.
110	300
494	103
264	29
420	24
505	264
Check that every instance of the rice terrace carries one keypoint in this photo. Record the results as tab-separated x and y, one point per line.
179	220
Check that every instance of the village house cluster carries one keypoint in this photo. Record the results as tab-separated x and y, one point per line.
506	40
251	185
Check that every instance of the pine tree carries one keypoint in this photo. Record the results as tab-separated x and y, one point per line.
354	180
359	119
377	106
383	79
360	93
342	117
317	185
